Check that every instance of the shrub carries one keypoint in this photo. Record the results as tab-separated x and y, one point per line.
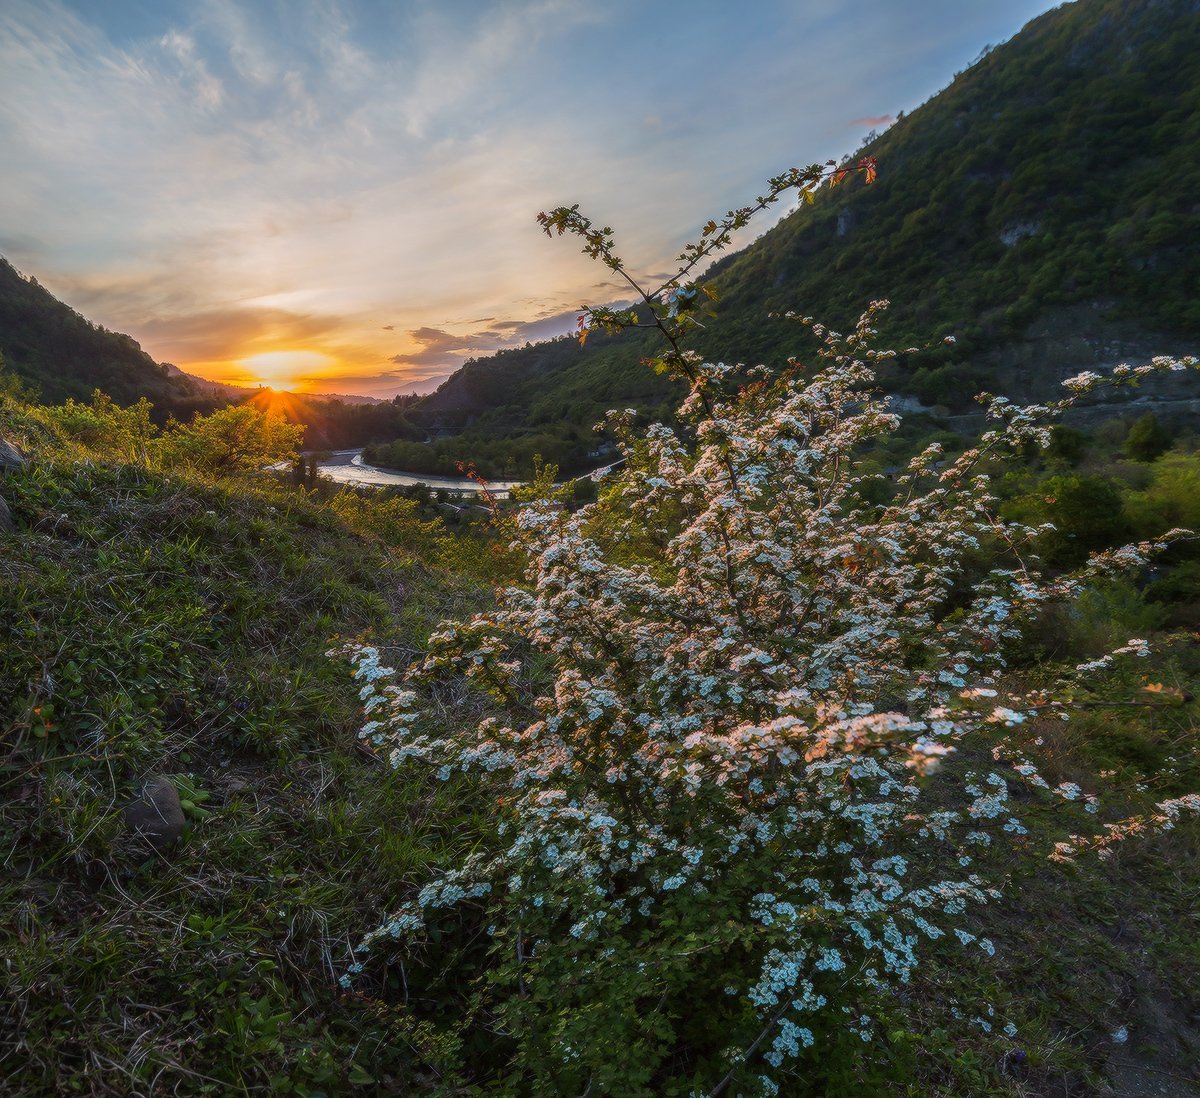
127	433
1147	438
236	439
719	698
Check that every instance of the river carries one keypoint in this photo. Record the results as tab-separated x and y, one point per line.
348	467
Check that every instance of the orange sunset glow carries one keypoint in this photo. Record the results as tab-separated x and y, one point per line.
280	369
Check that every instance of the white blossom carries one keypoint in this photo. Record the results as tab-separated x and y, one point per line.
768	689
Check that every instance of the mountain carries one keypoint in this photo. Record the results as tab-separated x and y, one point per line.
1047	196
49	346
351	398
213	388
1042	208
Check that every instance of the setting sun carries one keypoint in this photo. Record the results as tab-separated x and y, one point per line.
283	368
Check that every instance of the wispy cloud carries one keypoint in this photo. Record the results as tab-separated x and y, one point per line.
461	62
873	121
193	72
222	335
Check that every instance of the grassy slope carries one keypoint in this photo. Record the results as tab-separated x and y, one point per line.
159	624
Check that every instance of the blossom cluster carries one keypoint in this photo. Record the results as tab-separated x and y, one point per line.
745	674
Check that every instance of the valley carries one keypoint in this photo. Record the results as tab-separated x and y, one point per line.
806	708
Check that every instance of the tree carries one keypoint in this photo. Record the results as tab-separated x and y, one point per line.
1081	514
239	438
1147	439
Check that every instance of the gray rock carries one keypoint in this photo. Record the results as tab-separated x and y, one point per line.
10	455
7	526
156	814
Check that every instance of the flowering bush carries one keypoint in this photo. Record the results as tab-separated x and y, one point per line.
719	698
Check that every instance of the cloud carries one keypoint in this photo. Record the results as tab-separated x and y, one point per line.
517	332
439	349
442	348
458	58
229	334
207	88
15	246
874	121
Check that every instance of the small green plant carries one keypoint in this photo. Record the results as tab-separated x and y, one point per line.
192	797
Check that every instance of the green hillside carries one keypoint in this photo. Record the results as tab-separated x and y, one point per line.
60	354
165	614
161	619
1041	208
1062	168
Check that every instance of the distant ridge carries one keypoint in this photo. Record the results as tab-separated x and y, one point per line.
348	398
244	392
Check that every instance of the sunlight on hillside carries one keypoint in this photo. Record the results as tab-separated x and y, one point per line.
292	407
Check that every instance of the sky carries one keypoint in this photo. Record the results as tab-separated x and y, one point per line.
340	196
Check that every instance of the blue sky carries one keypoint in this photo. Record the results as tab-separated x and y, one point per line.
349	189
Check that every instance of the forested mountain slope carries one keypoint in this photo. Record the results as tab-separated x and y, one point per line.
1042	208
49	346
